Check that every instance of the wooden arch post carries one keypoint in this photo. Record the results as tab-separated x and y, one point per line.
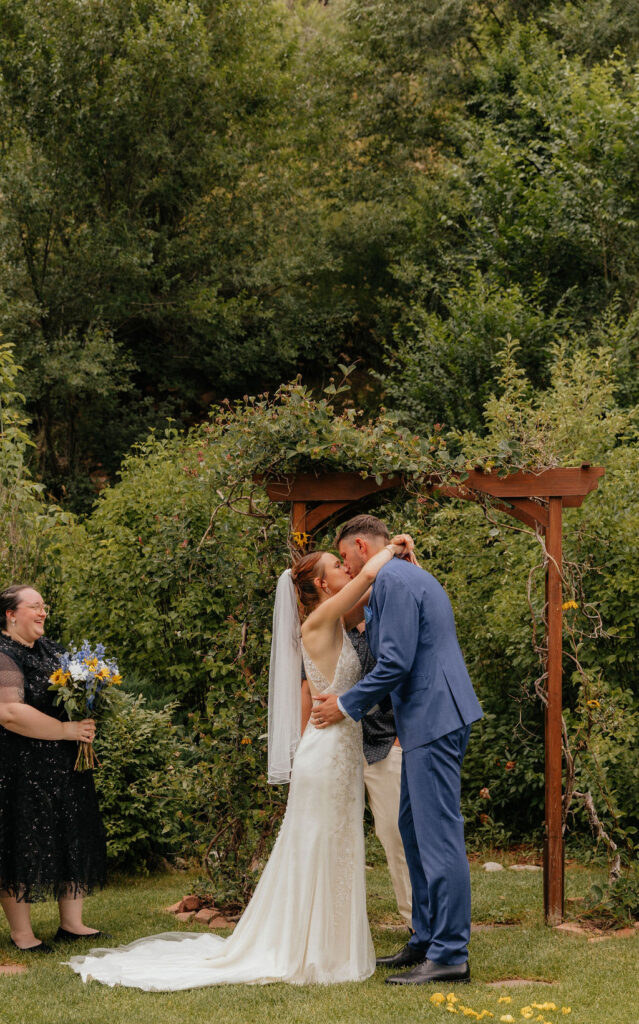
536	499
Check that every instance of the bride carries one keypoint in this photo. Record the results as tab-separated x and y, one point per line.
306	922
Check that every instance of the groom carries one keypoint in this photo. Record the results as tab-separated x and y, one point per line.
411	632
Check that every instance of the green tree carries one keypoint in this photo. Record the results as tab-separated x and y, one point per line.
26	519
153	248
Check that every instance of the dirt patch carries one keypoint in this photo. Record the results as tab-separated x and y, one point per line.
518	982
595	929
618	933
584	928
487	926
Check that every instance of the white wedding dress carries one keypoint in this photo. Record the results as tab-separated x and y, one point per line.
306	923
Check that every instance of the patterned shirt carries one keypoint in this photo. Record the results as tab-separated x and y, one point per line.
378	726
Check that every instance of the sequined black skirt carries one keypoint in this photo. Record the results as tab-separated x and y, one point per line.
52	840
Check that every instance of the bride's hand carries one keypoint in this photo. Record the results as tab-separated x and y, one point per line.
406	547
404	543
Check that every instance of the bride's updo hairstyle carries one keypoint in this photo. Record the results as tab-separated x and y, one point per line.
303	572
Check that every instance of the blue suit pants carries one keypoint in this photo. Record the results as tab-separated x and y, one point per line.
432	830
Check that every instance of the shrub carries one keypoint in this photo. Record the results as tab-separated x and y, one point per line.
144	785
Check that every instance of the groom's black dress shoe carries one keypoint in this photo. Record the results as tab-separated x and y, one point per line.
62	935
407	956
430	971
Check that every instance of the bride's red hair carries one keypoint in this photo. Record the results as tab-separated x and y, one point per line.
303	572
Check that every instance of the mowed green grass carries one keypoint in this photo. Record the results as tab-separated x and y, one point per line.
598	981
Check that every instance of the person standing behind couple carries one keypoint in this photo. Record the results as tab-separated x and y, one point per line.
382	778
411	632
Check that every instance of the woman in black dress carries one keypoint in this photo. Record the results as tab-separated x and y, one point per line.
52	839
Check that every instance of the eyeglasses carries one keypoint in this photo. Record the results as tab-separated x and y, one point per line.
39	607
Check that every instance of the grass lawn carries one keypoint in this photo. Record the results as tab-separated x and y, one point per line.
598	981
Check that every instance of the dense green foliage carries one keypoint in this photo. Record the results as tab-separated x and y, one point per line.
144	784
494	573
198	200
26	519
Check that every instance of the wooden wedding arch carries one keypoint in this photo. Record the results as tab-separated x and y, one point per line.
536	499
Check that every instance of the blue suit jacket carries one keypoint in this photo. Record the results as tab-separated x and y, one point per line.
410	629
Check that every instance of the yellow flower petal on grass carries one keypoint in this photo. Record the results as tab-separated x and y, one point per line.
505	999
451	1007
507	1018
527	1012
451	998
438	998
566	1009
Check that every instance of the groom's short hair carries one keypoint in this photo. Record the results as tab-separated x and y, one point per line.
364	525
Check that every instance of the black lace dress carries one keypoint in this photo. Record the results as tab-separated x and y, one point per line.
52	840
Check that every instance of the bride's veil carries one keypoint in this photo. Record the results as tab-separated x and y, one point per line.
284	682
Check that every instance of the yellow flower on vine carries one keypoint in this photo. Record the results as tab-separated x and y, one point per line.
300	538
593	704
245	740
569	604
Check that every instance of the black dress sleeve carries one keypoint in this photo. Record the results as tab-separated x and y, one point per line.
11	681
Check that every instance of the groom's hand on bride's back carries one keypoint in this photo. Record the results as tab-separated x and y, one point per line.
325	712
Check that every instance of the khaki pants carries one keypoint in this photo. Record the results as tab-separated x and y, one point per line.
383	781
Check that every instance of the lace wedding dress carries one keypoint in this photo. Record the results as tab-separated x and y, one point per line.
306	922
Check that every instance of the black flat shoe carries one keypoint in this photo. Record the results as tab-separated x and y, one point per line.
407	956
430	971
62	935
40	948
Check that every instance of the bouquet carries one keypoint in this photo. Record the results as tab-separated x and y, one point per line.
84	685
